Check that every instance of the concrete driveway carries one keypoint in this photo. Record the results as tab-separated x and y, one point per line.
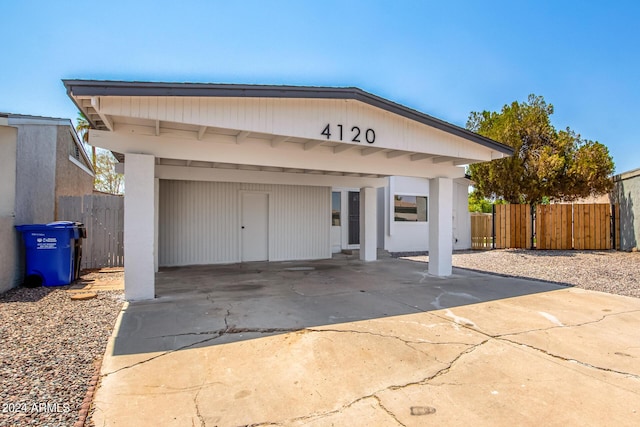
341	342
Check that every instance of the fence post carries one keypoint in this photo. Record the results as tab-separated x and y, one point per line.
532	209
613	227
493	226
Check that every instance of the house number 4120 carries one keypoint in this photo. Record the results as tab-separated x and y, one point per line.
356	133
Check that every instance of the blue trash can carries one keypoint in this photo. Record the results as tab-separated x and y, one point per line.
50	252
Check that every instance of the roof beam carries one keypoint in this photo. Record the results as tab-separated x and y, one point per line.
312	144
444	159
157	127
342	147
95	103
462	162
420	156
371	150
242	137
201	132
396	153
278	140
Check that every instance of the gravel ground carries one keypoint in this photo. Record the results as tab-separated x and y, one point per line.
49	350
609	271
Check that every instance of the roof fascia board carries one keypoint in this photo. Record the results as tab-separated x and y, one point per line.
118	88
38	121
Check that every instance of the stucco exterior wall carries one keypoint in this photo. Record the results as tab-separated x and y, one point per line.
414	236
72	177
461	217
626	192
10	265
405	236
35	174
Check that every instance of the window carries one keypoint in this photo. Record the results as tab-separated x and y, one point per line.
73	150
335	208
410	208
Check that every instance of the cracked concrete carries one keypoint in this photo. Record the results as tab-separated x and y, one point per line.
352	343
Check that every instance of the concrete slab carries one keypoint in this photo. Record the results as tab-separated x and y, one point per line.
342	342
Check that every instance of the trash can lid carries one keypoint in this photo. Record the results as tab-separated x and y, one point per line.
31	227
62	224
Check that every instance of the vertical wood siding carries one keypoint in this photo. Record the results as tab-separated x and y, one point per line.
304	118
199	222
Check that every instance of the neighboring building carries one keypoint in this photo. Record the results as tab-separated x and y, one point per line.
231	173
41	159
626	192
602	198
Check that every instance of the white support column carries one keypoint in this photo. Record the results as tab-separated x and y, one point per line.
156	220
139	226
440	226
368	224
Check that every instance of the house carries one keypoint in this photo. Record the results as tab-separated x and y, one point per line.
219	173
41	159
626	192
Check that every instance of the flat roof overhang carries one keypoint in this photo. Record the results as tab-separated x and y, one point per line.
440	147
76	88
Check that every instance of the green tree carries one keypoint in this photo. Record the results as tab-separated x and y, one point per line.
546	163
107	180
479	203
82	127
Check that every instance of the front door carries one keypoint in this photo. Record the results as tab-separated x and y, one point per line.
254	227
354	217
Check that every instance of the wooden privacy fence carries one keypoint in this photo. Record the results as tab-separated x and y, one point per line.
103	216
592	227
512	226
557	226
554	227
481	230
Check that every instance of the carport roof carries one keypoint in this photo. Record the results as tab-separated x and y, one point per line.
124	88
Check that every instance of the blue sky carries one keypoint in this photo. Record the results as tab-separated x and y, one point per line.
444	58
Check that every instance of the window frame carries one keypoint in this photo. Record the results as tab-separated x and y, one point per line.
416	196
339	212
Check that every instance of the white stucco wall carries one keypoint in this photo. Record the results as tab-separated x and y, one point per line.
199	222
440	226
405	236
368	223
382	194
10	266
336	239
139	227
461	217
414	236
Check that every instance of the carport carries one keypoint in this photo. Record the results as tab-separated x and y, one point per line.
218	174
